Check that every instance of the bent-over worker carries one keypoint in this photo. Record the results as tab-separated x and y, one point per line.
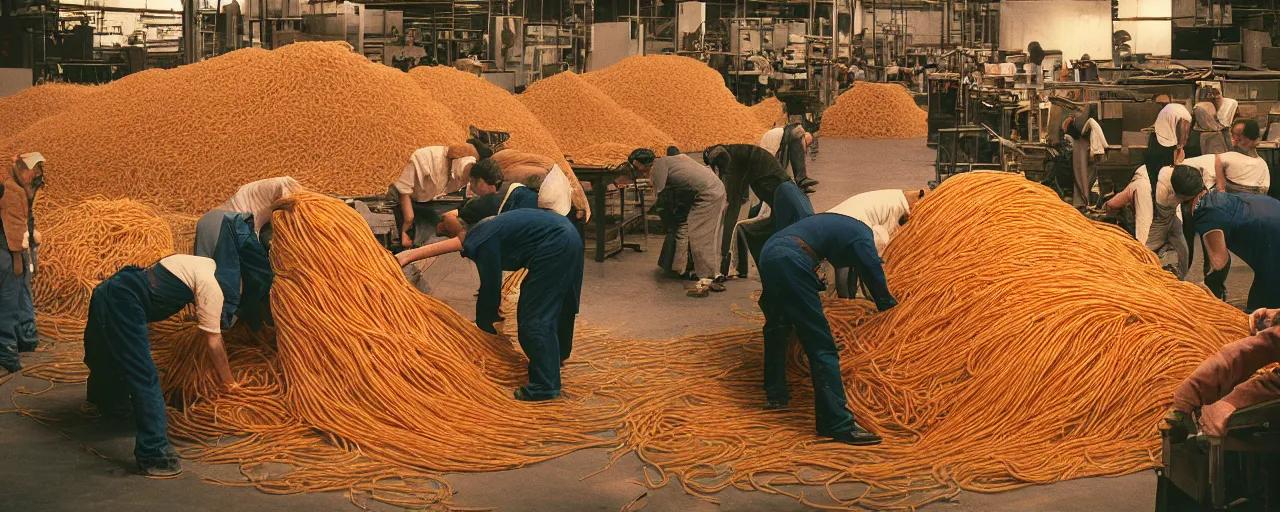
546	244
18	259
790	145
1088	146
1211	121
117	348
672	207
679	172
745	168
1158	219
1245	224
1226	381
791	300
540	174
432	172
1233	172
883	211
1168	139
494	194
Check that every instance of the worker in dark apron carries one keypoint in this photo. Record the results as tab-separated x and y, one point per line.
548	246
791	300
117	348
18	188
743	168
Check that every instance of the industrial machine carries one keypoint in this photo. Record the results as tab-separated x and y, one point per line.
1239	471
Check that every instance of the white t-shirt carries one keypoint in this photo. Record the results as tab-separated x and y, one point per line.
1142	212
1167	123
197	273
257	197
1165	196
1246	170
772	140
1097	139
1227	112
430	174
555	193
880	210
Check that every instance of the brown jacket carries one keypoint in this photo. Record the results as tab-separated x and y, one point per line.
1226	381
15	212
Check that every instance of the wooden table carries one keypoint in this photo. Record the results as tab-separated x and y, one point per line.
600	178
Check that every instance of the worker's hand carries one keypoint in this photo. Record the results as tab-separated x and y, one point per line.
402	258
1262	319
1178	425
406	241
488	327
37	237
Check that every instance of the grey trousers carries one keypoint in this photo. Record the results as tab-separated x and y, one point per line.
1084	172
1167	240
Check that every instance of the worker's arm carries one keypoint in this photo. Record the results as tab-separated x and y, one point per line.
406	211
453	226
1121	200
218	356
1184	132
1220	180
871	270
429	251
1262	319
489	264
1220	373
1215	248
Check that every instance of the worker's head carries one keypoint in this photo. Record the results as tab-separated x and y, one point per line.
717	158
486	177
1245	134
477	209
642	161
1162	99
672	151
1210	93
28	169
1187	182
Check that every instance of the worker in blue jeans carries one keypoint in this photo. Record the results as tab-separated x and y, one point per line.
548	245
791	300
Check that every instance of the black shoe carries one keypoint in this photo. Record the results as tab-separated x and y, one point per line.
1170	268
774	405
808	190
523	395
716	287
858	436
808	182
160	468
24	349
10	369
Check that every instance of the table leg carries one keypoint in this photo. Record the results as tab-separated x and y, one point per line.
644	218
597	196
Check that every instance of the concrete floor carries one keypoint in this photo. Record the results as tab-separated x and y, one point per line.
54	467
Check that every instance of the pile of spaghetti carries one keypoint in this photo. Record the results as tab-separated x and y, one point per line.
367	384
875	111
1030	346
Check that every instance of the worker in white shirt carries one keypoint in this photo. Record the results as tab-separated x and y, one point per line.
1159	218
884	211
790	145
1088	146
117	348
432	172
1211	121
1169	137
1233	172
253	199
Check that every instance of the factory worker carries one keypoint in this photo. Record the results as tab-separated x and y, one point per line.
1247	225
790	144
1211	131
540	174
1166	143
745	168
1245	136
494	195
1157	217
1233	172
791	300
1226	381
548	245
236	235
1087	148
117	348
432	172
883	211
672	206
18	189
681	173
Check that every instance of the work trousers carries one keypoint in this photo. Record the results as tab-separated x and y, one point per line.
704	231
1083	171
17	312
1167	240
792	153
790	301
546	310
117	351
1222	383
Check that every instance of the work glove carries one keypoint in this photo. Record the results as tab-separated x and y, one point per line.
1216	282
1179	425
